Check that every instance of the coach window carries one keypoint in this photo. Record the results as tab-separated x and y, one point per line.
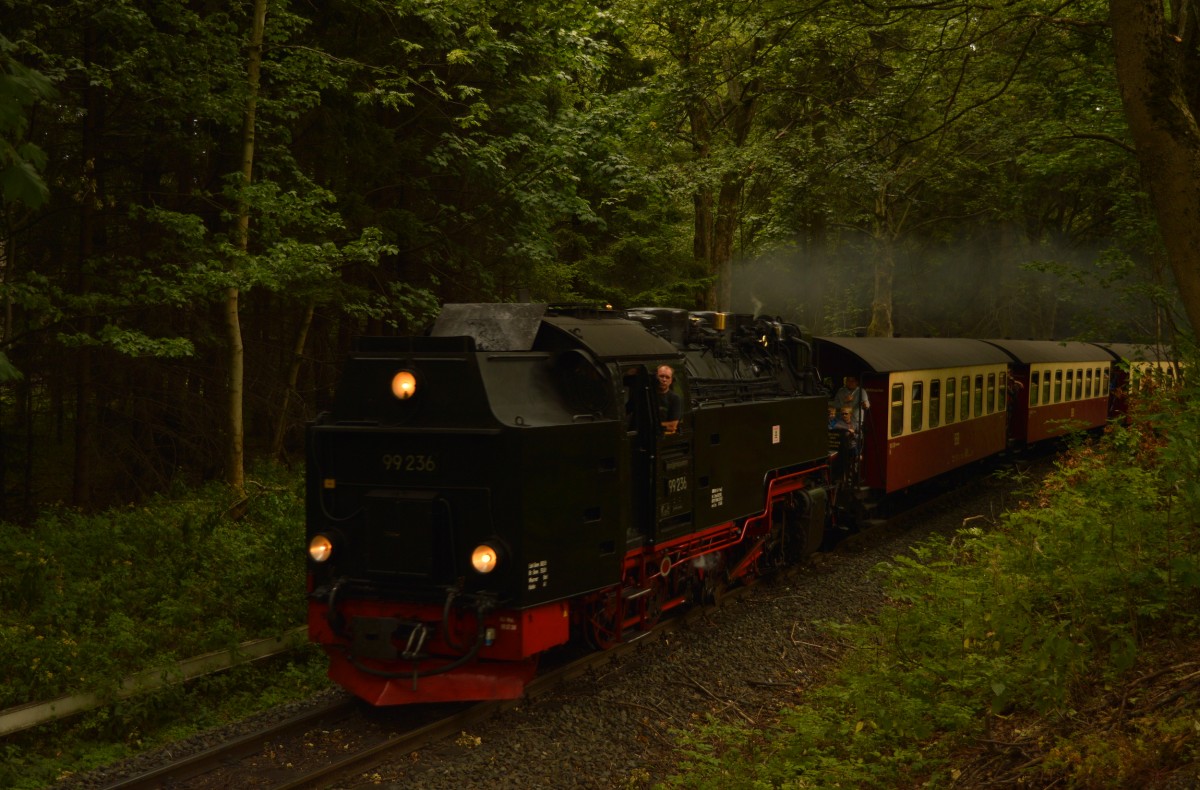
918	406
991	393
1034	380
897	409
1087	388
1001	391
950	401
964	399
1058	386
1104	387
1045	388
978	410
1078	383
935	403
1070	385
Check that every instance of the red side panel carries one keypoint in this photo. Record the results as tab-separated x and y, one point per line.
1055	419
920	456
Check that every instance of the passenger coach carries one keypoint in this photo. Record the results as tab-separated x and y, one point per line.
937	404
1139	367
1060	387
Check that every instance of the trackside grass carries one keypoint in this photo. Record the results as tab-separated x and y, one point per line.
1034	639
87	600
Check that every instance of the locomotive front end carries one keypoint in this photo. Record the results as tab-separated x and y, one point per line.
438	570
414	590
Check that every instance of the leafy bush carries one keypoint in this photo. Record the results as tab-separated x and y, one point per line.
1021	617
86	600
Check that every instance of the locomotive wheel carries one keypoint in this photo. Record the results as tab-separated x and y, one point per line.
804	534
605	622
713	588
653	606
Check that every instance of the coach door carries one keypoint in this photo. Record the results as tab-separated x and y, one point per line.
660	464
641	414
673	478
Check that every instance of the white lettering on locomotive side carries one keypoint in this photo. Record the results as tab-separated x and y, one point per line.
774	434
538	575
718	497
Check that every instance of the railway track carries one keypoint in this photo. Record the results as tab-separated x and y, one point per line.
342	740
344	737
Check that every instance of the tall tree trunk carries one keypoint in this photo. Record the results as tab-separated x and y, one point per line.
885	269
81	485
235	473
292	378
1157	71
724	236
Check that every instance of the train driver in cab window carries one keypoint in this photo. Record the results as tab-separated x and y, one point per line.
670	407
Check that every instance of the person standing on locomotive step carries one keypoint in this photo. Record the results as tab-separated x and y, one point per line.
855	397
670	407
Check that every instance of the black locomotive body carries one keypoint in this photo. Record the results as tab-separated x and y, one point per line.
488	491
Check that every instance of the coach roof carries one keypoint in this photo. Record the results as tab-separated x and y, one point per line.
1030	351
885	354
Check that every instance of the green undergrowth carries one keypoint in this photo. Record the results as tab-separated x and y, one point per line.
56	752
1028	618
87	600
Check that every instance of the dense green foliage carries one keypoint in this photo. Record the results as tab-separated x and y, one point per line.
1029	615
88	600
968	162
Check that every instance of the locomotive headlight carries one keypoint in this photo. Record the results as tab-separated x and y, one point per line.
484	558
404	385
320	548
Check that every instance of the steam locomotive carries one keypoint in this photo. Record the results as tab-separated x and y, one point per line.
503	484
507	483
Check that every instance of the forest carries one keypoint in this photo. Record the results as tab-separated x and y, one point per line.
202	204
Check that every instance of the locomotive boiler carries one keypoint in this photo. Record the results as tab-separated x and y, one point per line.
504	483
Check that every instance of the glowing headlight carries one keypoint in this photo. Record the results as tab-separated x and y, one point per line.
484	558
320	548
404	385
